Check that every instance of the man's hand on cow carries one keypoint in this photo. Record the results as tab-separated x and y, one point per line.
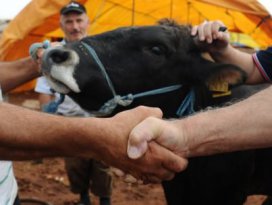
212	35
166	133
36	50
157	164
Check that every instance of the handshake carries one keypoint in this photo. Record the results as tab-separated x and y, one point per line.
154	147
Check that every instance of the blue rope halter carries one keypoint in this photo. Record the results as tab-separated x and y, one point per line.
187	106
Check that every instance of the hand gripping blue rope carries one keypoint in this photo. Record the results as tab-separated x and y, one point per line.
35	46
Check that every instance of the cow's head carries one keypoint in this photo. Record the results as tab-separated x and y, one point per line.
135	59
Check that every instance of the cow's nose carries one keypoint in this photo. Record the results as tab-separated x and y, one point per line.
53	56
58	55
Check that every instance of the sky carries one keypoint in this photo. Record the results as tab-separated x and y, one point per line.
13	7
267	4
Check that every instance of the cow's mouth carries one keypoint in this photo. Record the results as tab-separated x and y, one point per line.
57	85
58	66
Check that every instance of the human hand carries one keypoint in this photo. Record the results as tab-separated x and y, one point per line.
36	50
124	176
165	133
156	165
212	36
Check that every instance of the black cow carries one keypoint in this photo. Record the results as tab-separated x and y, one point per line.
161	66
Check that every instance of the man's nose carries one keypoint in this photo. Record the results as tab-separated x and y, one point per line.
75	26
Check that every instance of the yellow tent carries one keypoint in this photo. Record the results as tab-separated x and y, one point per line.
39	20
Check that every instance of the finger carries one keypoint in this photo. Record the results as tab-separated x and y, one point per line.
169	160
55	43
150	111
39	53
216	31
207	32
223	36
144	132
136	115
194	30
130	179
176	164
151	179
117	172
200	31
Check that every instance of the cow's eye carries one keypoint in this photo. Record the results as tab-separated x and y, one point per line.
157	50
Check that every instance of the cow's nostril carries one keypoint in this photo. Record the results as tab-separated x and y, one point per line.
59	56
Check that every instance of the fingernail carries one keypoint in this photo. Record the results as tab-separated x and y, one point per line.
201	38
193	33
133	152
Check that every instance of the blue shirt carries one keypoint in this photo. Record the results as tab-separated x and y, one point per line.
263	61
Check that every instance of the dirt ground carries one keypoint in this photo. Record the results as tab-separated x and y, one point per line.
48	182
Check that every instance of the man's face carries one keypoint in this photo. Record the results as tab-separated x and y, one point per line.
74	26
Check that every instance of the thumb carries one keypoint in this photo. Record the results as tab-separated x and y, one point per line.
194	30
139	137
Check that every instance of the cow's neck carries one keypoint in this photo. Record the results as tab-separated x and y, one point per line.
169	103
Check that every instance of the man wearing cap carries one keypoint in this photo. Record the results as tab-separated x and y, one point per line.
82	173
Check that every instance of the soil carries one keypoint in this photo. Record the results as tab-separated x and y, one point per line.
47	180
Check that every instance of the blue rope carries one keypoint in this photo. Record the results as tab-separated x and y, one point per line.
126	100
52	106
187	105
101	66
35	46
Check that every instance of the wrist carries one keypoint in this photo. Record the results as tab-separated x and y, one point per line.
184	143
200	134
97	138
219	55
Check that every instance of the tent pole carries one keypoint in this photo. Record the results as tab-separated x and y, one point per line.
133	13
188	11
171	8
260	23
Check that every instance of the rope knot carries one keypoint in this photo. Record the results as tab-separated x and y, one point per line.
125	100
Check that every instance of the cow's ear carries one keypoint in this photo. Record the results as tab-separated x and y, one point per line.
225	75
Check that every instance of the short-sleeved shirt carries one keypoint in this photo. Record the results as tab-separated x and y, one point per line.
8	184
263	61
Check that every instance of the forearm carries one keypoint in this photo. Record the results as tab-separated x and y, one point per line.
239	58
15	73
26	134
244	125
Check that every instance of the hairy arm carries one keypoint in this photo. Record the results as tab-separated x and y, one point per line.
15	73
27	134
241	126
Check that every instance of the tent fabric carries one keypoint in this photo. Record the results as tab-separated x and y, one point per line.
39	20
